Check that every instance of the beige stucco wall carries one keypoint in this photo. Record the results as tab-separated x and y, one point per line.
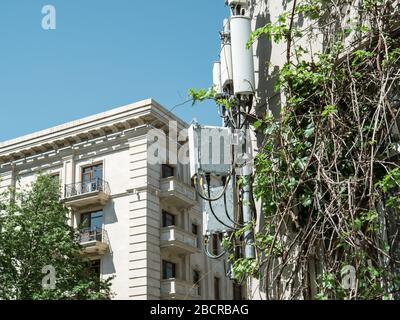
132	216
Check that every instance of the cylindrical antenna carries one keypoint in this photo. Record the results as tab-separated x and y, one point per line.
242	57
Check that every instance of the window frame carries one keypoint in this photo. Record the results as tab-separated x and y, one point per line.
89	214
237	291
91	172
165	265
196	274
217	288
95	265
165	214
197	234
215	244
169	174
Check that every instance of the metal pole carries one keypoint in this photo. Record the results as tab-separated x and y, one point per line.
246	190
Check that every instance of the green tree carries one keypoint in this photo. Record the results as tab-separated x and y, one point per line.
35	237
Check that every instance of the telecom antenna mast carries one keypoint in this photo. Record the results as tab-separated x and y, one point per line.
233	80
243	92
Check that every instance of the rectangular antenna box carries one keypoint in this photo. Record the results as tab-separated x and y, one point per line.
210	150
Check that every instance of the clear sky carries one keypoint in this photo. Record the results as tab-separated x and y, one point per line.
104	54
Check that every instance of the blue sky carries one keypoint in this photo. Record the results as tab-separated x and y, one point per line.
104	54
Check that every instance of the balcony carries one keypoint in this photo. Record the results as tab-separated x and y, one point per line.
178	241
177	193
83	194
94	241
175	289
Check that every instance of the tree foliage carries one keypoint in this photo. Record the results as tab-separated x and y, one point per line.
34	233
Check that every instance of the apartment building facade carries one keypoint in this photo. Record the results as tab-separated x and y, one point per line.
140	222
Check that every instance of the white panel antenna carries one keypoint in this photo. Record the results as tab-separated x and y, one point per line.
242	58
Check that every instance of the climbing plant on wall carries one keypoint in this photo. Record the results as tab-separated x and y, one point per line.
328	170
327	174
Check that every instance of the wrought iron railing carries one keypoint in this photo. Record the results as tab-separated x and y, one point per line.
81	188
93	234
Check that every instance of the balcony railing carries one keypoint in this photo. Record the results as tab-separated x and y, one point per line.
81	188
179	241
86	193
179	290
94	241
177	192
89	235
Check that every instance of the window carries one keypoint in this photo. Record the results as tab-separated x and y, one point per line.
92	173
195	231
168	219
92	179
217	288
167	171
169	270
95	267
196	281
93	271
92	220
91	225
215	241
237	292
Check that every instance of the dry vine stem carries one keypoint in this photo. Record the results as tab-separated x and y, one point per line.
328	171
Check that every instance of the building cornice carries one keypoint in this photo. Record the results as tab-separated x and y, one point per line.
146	112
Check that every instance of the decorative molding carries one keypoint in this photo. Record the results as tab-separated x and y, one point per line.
120	121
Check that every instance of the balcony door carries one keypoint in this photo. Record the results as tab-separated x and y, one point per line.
92	178
92	220
91	225
92	173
